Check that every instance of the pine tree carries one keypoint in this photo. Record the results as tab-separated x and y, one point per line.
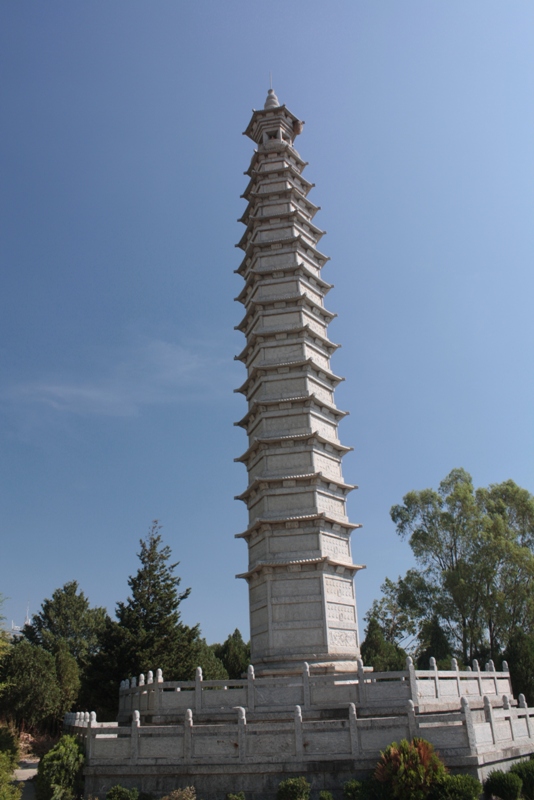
153	635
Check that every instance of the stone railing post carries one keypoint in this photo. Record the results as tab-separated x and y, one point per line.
362	689
91	734
251	689
198	690
469	727
306	685
523	704
507	707
412	723
488	713
454	668
355	743
412	678
188	735
437	688
241	733
476	668
299	745
134	737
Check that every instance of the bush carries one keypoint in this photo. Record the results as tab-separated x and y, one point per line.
294	789
409	769
238	796
9	744
525	770
188	793
59	775
505	785
8	790
351	790
119	792
456	787
325	795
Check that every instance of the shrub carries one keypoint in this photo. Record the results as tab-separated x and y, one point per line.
325	795
237	796
505	785
119	792
294	789
409	769
59	775
456	787
351	790
525	770
9	744
188	793
8	790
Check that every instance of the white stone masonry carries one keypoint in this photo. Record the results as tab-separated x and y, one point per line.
300	571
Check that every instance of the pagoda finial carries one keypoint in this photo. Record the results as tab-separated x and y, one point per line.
272	100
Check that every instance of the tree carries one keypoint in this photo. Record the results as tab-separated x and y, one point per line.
31	697
68	620
148	634
380	654
474	551
234	654
154	637
519	654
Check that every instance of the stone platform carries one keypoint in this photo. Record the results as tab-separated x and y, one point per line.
248	735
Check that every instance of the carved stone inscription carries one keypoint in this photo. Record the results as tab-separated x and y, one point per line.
340	613
339	588
345	639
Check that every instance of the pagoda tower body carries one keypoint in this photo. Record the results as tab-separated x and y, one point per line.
300	572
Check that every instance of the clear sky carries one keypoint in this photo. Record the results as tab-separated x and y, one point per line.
122	171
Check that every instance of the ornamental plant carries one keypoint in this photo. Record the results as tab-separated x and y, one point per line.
294	789
59	775
119	792
504	785
525	770
456	787
409	769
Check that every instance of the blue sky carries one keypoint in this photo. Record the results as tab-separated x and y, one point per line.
123	166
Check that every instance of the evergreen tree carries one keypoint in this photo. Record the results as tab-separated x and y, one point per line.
376	652
31	696
234	654
435	642
67	621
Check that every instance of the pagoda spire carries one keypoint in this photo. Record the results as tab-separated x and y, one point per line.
300	569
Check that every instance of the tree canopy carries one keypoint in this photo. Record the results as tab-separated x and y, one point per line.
474	551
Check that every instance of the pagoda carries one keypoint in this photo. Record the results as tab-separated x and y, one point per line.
300	570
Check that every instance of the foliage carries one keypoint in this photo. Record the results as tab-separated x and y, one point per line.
474	551
380	654
31	696
188	793
234	654
325	795
434	643
504	785
59	775
8	790
212	668
236	796
68	678
525	770
293	789
9	745
149	634
119	792
520	656
66	621
409	769
351	789
456	787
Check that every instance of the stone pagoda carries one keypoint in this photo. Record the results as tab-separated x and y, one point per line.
300	571
307	705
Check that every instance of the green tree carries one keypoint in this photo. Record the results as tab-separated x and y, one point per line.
474	551
67	620
380	654
519	654
31	695
234	654
213	668
148	634
434	643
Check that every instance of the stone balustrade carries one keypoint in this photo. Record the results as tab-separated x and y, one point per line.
430	690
